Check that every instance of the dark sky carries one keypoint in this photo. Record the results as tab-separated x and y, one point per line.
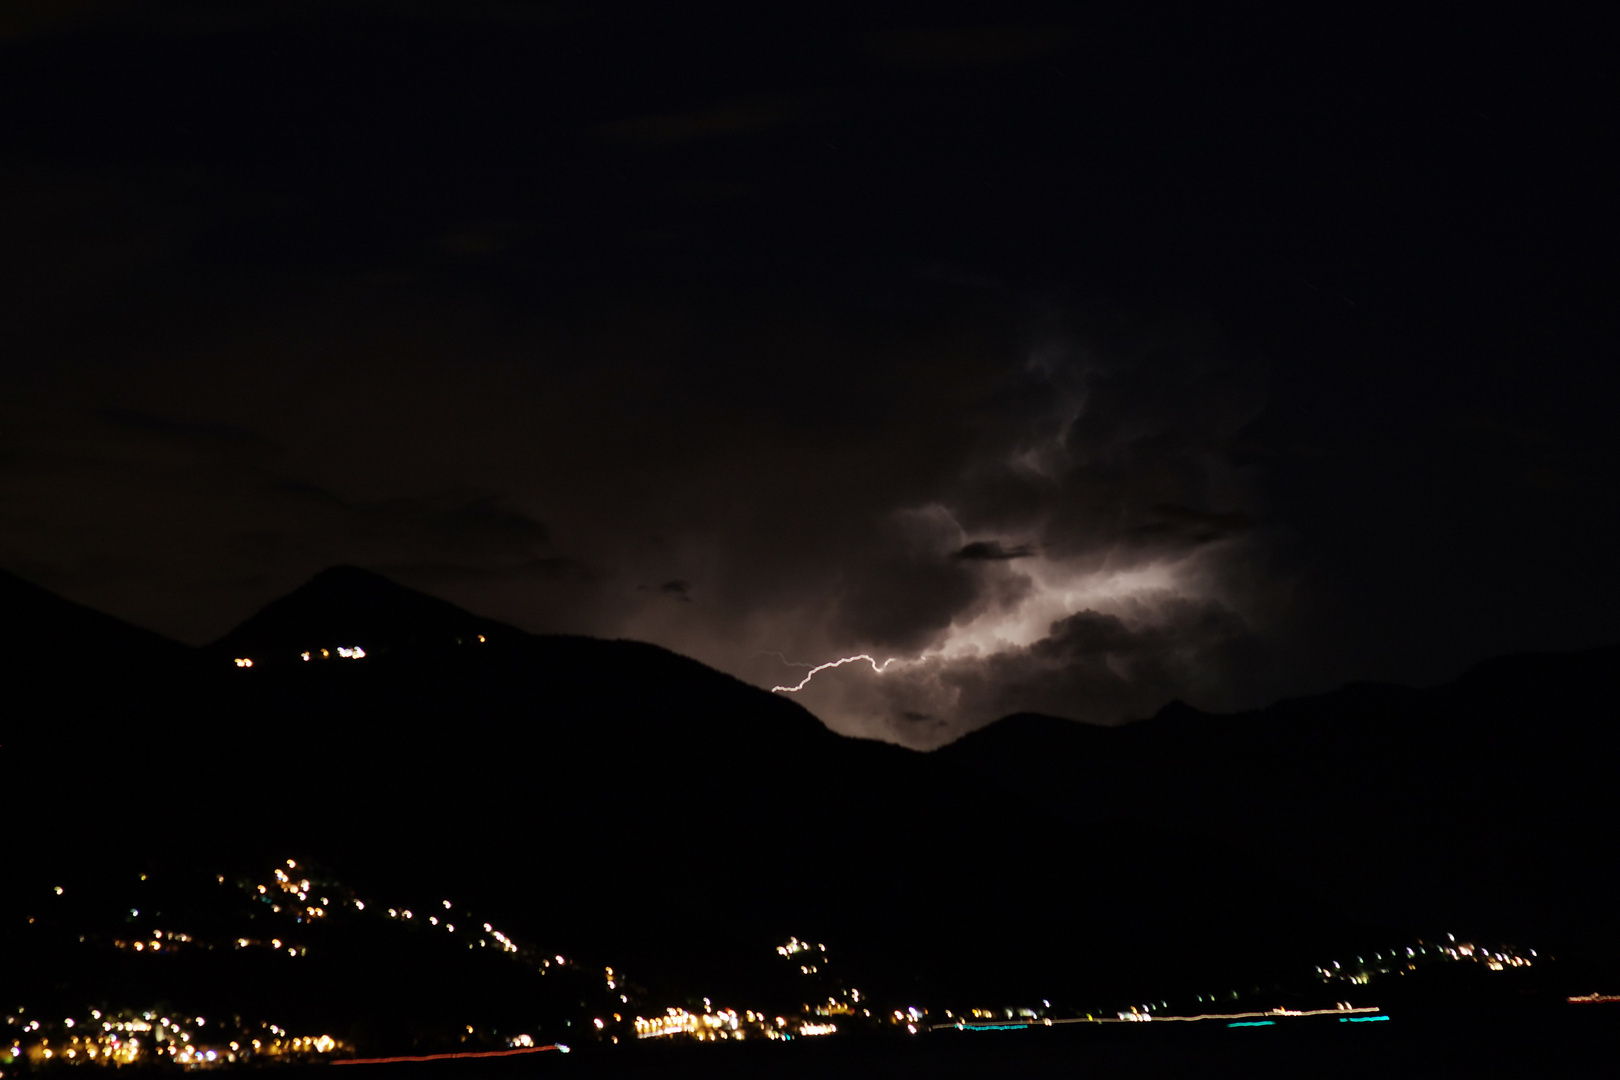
1076	360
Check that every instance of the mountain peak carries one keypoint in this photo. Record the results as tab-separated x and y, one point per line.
344	607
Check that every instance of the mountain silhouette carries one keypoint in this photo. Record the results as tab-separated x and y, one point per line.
42	635
346	606
1482	800
616	798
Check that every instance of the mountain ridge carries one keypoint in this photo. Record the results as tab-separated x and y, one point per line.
618	789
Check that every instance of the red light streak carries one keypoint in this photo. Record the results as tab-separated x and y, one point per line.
445	1057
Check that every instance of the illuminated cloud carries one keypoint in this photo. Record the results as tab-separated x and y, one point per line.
1088	557
1023	516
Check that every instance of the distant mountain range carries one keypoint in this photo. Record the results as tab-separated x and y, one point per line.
615	800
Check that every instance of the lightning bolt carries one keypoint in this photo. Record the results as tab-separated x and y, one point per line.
877	667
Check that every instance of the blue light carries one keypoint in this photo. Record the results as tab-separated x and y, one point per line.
1360	1019
1253	1023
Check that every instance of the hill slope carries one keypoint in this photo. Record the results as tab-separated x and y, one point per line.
619	799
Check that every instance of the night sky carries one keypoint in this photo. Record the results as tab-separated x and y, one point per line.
1078	361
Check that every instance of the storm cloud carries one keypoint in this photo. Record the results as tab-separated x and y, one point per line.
1030	505
1089	552
779	341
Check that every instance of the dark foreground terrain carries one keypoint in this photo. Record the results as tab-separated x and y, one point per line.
667	828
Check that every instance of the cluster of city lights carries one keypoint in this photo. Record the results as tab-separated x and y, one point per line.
345	652
342	652
130	1038
1409	957
161	941
290	891
794	946
308	898
814	957
720	1025
310	902
725	1024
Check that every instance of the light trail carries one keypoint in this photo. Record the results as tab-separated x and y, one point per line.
445	1057
1270	1012
1269	1015
877	667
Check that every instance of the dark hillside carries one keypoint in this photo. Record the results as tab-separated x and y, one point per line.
1484	799
616	799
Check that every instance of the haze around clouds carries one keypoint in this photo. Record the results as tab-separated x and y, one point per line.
1029	505
785	335
1089	550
